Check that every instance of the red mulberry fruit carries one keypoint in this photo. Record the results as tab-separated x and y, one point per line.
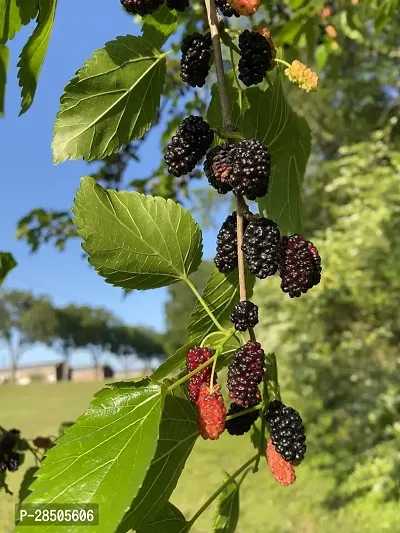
282	471
300	267
196	59
226	9
244	315
191	142
251	169
194	358
256	57
262	247
178	5
141	7
245	373
245	7
218	167
287	432
211	412
241	424
226	259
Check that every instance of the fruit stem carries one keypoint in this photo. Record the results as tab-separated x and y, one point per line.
219	491
219	66
228	334
283	62
274	391
247	411
204	341
203	303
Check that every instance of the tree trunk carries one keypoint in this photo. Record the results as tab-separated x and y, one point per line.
14	370
65	368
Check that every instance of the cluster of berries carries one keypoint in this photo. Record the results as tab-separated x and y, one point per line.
265	252
257	54
145	7
243	168
245	373
9	459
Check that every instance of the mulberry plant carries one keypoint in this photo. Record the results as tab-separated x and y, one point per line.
128	450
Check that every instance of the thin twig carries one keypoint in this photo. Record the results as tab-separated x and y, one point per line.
219	66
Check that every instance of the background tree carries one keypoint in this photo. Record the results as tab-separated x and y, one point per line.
24	320
345	363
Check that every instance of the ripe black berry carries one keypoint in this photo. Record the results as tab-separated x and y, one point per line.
190	143
196	59
179	5
256	57
194	358
251	169
3	465
301	265
241	424
287	432
245	373
226	9
218	167
13	462
262	247
141	7
244	315
226	259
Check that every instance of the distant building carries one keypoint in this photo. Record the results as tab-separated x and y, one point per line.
52	372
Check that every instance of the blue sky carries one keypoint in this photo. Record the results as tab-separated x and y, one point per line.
29	179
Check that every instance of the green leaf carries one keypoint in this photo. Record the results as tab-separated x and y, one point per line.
136	241
173	363
4	61
221	293
178	434
34	53
28	479
159	26
104	457
113	100
7	263
237	100
227	516
270	119
168	520
13	15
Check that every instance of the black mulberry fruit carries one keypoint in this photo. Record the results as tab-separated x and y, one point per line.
196	59
194	358
245	373
241	424
218	167
300	267
251	169
190	143
287	432
256	57
178	5
226	259
244	315
141	7
226	9
262	247
3	465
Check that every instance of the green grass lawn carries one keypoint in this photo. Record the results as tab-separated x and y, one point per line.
266	506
